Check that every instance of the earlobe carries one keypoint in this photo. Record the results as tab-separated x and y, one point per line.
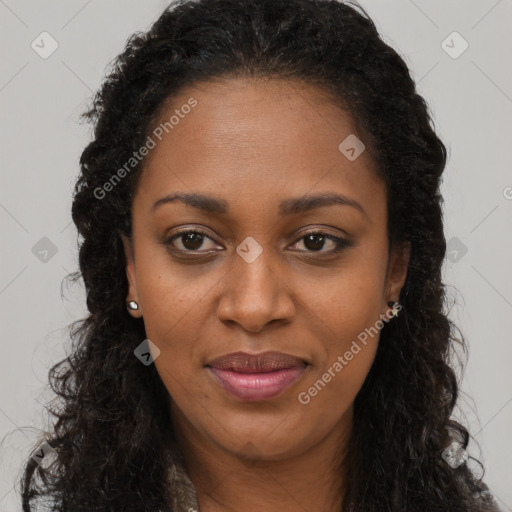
398	271
132	296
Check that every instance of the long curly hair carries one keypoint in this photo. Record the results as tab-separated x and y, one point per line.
113	432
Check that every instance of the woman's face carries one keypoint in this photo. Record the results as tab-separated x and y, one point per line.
252	279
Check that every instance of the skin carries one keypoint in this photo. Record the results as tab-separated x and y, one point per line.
254	143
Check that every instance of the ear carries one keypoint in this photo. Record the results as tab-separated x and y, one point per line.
130	275
397	272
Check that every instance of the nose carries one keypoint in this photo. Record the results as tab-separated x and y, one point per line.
256	293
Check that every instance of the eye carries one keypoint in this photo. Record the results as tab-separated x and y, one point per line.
314	241
190	239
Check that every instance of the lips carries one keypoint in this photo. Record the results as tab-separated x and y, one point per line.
257	363
253	377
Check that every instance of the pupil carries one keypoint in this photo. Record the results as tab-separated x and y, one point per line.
194	238
312	237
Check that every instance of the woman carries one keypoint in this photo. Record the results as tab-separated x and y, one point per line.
261	244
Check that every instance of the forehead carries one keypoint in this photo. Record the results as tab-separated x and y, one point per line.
254	141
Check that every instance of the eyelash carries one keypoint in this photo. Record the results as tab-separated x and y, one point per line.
340	243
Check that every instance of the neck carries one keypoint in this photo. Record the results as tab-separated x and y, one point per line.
225	481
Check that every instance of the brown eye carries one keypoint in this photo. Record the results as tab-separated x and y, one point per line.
191	240
316	241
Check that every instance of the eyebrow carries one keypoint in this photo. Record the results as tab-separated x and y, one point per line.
290	206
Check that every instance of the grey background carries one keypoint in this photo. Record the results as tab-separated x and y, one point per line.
40	100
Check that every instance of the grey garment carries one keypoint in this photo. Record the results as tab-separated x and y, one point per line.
184	496
485	500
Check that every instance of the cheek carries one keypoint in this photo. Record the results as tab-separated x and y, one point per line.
171	320
351	303
172	300
331	393
348	312
346	357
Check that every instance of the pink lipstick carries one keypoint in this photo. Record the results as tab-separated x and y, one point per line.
253	377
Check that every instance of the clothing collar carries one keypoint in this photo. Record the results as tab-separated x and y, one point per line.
183	492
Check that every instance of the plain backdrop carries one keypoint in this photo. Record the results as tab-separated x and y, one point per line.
459	53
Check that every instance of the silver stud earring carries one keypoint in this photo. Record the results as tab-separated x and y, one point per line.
133	305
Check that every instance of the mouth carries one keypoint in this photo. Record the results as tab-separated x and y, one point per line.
255	377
